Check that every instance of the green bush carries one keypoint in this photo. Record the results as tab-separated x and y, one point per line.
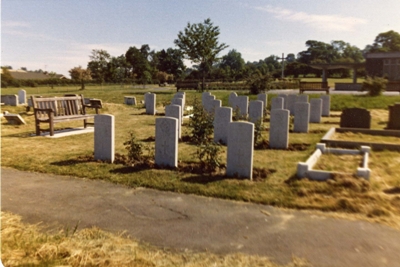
209	155
374	86
201	123
259	83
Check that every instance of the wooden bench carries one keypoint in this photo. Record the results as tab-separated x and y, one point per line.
187	85
53	110
313	86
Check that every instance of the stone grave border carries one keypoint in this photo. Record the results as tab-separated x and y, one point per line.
304	169
327	139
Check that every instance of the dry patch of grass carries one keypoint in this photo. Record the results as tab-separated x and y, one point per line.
338	163
361	137
27	245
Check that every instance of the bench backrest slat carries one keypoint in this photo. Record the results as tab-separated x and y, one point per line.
61	106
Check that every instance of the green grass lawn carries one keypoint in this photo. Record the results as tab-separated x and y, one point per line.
73	155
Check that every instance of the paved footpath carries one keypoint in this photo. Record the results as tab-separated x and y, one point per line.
198	223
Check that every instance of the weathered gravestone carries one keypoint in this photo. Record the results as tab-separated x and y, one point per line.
22	97
130	100
166	142
279	129
150	102
326	105
301	117
277	103
291	102
256	108
264	98
10	100
181	103
355	118
222	119
315	110
231	100
285	97
240	150
175	111
302	98
242	103
394	117
104	137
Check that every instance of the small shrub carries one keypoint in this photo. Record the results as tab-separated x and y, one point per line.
259	83
258	138
208	154
374	86
136	151
201	124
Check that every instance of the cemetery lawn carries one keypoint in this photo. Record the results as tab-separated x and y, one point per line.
94	247
275	182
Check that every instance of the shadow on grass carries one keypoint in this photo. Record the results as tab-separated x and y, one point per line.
392	191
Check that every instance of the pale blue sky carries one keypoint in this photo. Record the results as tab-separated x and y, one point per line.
58	35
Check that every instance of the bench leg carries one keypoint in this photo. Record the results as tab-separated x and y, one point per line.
37	126
84	123
51	129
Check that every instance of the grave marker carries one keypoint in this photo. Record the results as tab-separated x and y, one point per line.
166	147
130	100
150	103
315	110
279	129
175	111
355	118
242	103
256	111
291	102
222	119
104	137
22	97
326	105
277	103
240	150
394	117
301	117
285	97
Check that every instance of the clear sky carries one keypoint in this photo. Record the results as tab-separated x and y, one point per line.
57	35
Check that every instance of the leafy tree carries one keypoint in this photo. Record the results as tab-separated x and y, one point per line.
171	62
233	63
118	69
6	78
199	43
80	75
98	64
138	59
317	52
385	42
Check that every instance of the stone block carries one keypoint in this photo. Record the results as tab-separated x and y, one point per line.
279	129
10	100
256	111
355	118
104	137
277	103
315	110
301	117
14	119
326	105
175	111
240	150
222	119
166	144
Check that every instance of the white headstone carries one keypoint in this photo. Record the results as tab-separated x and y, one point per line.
231	100
150	103
175	111
302	98
256	111
315	110
204	98
242	103
263	98
10	100
22	97
277	103
285	97
301	117
222	119
291	101
215	104
104	137
326	105
179	102
279	129
166	144
240	150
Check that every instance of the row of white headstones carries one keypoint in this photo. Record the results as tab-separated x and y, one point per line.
238	135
